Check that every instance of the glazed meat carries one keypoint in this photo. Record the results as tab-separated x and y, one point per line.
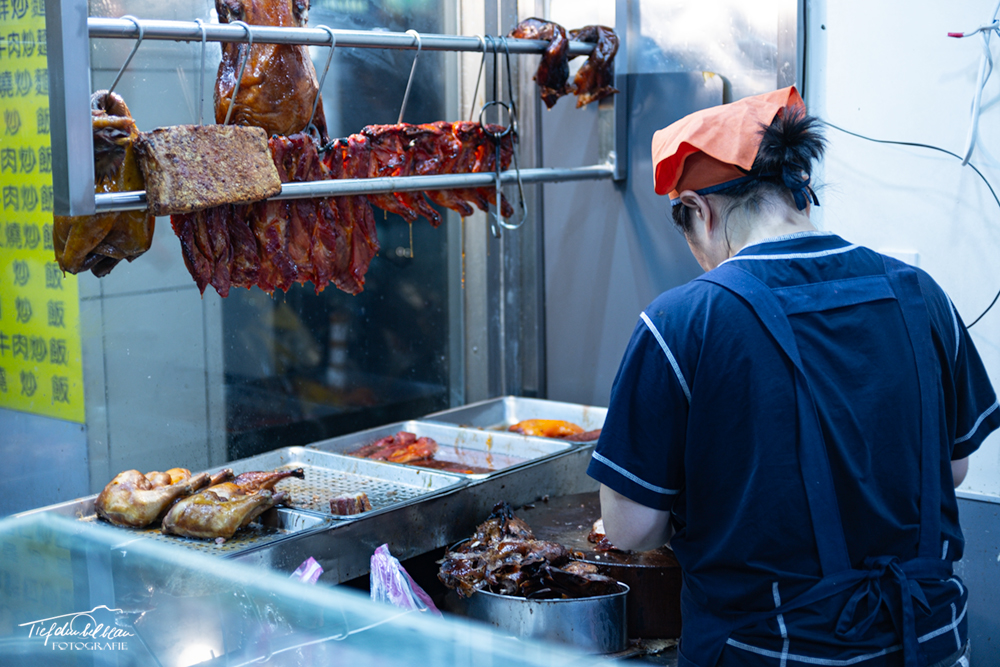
279	83
218	512
97	243
221	509
136	500
547	428
552	75
404	447
593	80
349	504
504	557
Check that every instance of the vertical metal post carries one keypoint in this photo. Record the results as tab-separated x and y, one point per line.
69	107
621	83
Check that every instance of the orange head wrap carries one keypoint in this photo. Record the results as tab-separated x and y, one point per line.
715	146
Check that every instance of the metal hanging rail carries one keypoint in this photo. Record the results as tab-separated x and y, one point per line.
134	201
72	131
190	31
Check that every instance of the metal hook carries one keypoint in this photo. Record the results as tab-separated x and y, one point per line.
413	68
243	66
497	219
201	77
513	128
329	59
479	76
138	26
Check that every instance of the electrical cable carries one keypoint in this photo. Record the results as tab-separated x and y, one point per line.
985	69
941	150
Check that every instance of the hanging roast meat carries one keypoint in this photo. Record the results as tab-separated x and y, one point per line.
592	82
97	243
279	83
552	75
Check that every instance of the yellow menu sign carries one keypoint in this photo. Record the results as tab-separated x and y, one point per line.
40	358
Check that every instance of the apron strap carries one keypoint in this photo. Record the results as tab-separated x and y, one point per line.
814	463
918	327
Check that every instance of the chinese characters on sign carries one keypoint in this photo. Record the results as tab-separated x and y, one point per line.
40	359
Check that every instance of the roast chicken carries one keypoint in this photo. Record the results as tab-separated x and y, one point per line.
136	500
97	243
222	509
279	82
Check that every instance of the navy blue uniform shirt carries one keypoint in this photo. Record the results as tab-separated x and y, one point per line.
702	419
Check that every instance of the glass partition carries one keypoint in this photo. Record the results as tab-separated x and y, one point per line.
74	594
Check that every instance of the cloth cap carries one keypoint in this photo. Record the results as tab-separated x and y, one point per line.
717	145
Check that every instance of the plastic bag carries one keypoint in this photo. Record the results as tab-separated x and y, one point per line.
391	583
308	572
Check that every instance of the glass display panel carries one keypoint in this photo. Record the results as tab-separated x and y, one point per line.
75	594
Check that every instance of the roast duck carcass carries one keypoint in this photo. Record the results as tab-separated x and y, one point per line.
592	82
274	244
136	500
279	83
97	243
503	557
220	510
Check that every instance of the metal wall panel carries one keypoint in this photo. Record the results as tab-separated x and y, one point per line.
980	570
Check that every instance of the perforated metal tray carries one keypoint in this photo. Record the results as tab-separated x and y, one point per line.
495	451
328	475
499	414
274	525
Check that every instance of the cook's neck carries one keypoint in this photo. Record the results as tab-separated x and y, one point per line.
765	227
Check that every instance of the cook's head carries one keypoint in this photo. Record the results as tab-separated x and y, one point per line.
755	149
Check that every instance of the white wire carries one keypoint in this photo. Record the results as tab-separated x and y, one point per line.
985	69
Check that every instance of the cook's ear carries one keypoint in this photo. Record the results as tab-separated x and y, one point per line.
697	203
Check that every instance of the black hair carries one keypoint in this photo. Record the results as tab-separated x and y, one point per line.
793	139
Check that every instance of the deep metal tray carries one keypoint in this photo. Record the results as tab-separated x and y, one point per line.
500	452
499	414
274	525
329	474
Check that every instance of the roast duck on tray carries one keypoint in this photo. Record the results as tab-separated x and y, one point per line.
202	506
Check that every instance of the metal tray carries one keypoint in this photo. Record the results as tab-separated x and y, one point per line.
274	525
500	452
498	414
329	474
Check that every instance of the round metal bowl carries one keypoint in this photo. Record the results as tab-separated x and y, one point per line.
593	625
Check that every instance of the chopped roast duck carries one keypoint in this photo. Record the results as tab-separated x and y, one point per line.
279	83
221	509
592	81
97	243
504	557
136	500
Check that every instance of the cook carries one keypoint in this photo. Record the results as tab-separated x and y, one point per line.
797	417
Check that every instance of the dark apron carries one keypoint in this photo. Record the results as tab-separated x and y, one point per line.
882	577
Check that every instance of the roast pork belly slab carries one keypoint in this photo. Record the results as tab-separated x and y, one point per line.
192	167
